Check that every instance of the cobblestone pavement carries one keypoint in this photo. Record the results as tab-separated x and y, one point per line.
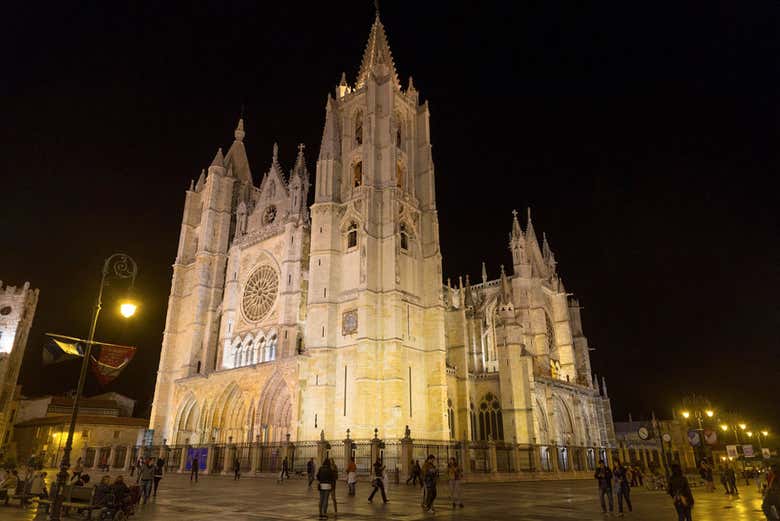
262	499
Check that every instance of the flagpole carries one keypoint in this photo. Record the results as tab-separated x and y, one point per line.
123	267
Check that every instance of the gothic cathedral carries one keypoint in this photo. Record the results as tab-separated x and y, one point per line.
285	318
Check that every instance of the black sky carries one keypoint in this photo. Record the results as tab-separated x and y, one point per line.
644	137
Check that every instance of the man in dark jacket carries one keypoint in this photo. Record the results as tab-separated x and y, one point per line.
604	478
378	484
623	488
310	470
325	477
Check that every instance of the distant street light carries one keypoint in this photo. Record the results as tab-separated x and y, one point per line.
119	266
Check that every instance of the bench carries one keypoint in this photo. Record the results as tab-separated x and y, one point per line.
78	498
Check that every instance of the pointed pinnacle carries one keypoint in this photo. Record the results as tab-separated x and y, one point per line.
239	132
343	81
219	159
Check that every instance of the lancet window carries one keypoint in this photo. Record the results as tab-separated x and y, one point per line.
357	174
400	175
404	237
359	128
352	235
491	425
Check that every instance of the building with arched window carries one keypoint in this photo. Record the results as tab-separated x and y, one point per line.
287	317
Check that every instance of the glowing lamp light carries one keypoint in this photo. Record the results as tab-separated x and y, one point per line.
128	309
724	428
765	433
710	414
750	434
686	414
742	426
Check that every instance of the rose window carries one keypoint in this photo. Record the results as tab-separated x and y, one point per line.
260	293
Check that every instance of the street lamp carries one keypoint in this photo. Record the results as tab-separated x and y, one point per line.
700	414
119	266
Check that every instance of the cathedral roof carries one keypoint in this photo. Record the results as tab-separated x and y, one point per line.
377	53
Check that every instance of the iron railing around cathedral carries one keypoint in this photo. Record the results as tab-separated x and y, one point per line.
475	457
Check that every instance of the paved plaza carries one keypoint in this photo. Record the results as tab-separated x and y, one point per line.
262	499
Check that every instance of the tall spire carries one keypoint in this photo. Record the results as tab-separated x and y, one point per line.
377	54
330	147
529	230
300	163
239	132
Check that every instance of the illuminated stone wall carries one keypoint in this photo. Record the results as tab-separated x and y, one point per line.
17	309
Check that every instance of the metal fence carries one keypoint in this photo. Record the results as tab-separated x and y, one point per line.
472	456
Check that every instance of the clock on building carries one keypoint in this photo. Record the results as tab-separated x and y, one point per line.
643	433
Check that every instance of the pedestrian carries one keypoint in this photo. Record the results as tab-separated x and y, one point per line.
146	478
236	469
325	479
430	477
414	472
377	482
335	471
285	469
771	503
640	477
195	468
731	481
709	480
140	465
132	467
680	490
417	473
424	490
604	478
455	474
158	474
351	476
310	471
724	480
623	488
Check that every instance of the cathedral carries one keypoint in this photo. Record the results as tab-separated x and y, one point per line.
286	318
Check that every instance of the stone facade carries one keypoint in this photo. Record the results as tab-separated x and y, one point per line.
285	319
17	309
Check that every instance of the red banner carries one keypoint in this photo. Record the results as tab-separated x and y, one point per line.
109	361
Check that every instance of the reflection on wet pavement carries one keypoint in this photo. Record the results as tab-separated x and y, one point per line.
262	499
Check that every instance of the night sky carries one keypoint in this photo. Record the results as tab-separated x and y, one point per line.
643	136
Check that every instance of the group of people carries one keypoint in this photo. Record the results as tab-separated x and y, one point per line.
621	476
428	475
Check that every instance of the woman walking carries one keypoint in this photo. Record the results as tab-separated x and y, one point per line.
455	474
680	490
351	476
325	480
335	471
158	474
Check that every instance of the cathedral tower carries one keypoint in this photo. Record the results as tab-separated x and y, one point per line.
375	320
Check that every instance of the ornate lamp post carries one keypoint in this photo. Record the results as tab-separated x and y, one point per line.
119	266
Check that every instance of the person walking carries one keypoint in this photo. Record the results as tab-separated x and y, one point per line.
351	476
430	477
236	469
325	480
158	474
731	481
623	488
310	471
414	472
334	469
377	483
286	469
455	475
195	468
771	502
146	477
680	490
604	478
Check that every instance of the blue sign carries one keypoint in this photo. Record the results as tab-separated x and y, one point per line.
694	438
197	452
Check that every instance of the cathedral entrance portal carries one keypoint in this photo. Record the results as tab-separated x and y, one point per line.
274	411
